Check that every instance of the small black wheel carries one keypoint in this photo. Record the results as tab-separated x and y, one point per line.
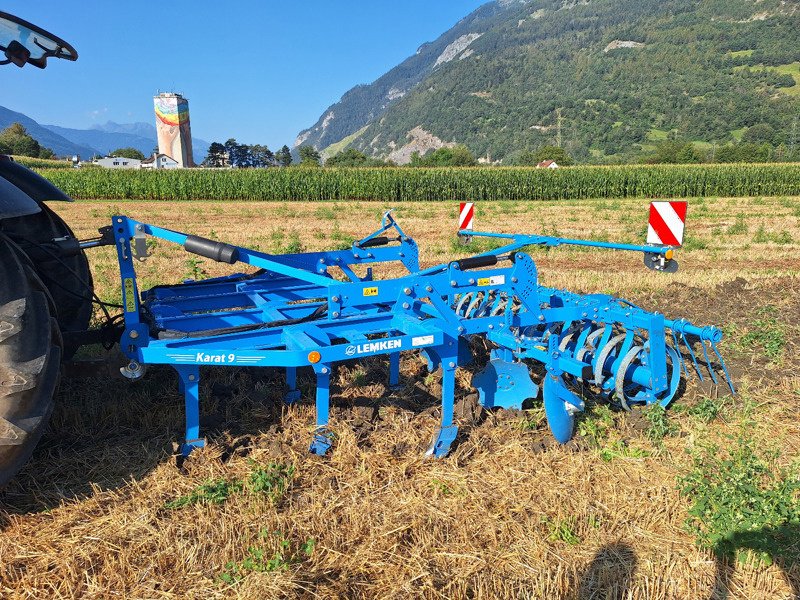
30	357
67	277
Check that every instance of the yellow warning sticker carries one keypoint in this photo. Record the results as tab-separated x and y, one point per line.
371	291
494	280
130	295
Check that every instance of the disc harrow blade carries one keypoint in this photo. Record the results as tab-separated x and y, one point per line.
503	384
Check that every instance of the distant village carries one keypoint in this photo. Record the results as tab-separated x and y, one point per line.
157	161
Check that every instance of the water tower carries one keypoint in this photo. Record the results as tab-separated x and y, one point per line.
172	125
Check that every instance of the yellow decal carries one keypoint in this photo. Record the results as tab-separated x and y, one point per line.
484	282
130	295
371	291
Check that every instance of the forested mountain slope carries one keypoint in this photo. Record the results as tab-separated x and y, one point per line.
598	77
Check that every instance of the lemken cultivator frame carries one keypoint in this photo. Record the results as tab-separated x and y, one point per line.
317	309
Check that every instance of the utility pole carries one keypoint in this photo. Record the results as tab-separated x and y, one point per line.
558	129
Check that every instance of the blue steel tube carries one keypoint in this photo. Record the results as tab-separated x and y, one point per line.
709	333
546	240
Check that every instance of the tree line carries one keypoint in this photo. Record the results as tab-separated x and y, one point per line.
234	154
15	139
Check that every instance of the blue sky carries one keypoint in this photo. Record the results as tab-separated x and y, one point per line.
256	71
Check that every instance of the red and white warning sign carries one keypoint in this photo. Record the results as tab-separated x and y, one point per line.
466	215
667	220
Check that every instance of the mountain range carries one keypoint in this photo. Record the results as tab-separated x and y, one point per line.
605	79
97	140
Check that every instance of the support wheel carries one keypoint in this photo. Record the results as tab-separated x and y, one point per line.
30	355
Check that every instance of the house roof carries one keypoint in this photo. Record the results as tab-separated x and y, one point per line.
546	163
152	158
115	158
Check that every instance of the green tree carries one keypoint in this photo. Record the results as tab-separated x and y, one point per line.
763	133
309	156
689	154
728	153
523	158
16	140
347	158
676	152
457	156
261	156
216	157
559	155
128	153
353	158
238	154
284	156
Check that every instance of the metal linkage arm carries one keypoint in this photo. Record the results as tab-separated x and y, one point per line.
522	240
375	238
125	226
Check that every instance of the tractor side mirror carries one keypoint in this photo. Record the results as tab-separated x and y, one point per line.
17	53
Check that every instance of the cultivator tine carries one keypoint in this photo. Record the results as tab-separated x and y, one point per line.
677	346
724	368
694	358
560	404
711	335
708	363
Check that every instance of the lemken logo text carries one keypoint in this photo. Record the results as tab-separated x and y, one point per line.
377	346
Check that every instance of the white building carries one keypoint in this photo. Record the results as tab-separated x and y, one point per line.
160	161
118	162
547	164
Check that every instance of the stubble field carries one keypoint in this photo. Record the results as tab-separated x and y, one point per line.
104	511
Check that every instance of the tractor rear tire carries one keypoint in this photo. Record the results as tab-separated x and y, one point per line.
68	278
30	357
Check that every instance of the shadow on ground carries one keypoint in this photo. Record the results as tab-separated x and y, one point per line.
609	574
780	545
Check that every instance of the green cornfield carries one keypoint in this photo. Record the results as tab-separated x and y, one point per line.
412	184
42	163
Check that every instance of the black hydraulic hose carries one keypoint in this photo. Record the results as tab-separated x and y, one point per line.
477	261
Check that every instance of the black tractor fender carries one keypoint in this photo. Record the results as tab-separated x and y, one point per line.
14	202
31	183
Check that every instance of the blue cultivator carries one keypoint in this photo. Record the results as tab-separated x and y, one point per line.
320	308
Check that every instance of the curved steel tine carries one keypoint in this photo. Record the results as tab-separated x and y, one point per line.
498	305
724	368
679	353
708	363
694	358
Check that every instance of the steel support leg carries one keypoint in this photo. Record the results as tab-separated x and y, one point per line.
322	440
444	437
394	370
293	394
189	384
